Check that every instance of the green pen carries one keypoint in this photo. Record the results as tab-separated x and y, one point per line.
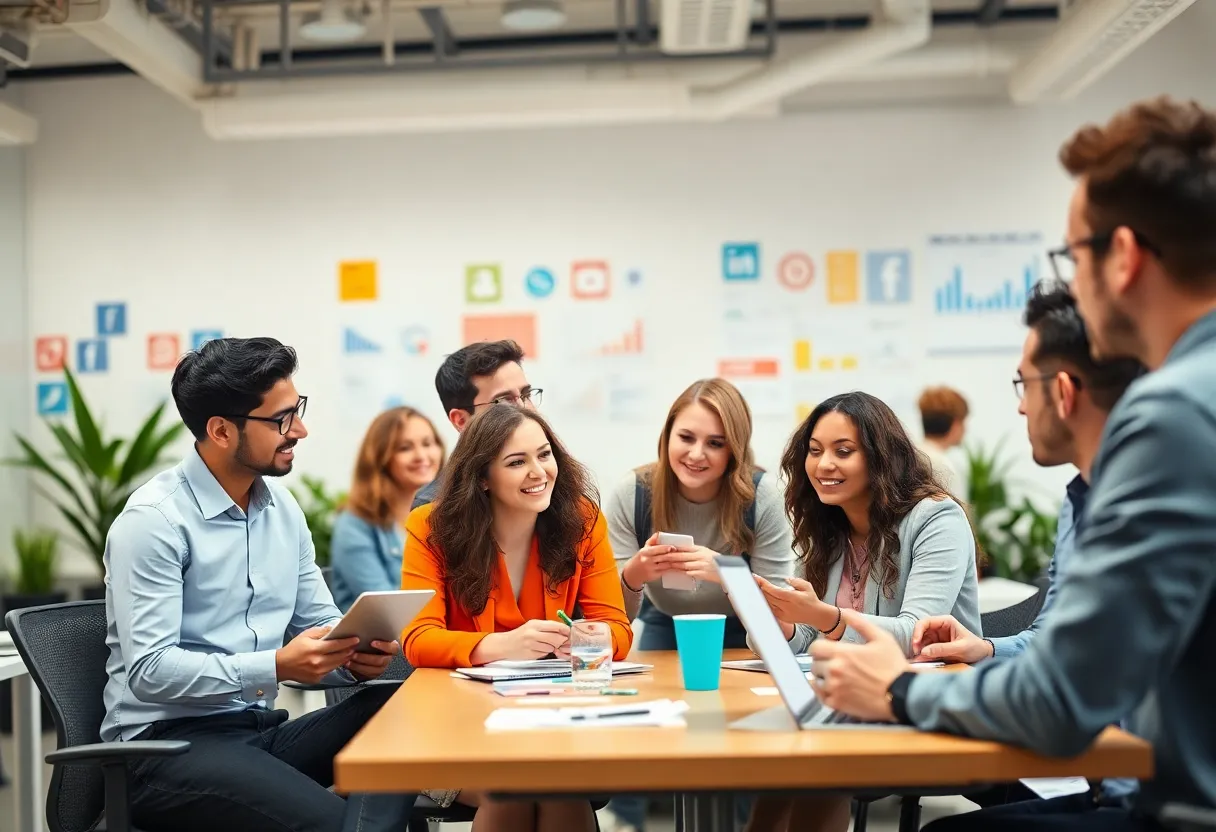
619	692
565	618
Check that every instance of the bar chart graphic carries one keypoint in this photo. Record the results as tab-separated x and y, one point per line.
630	343
980	286
956	296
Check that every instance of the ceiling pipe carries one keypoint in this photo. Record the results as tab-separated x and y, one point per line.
902	26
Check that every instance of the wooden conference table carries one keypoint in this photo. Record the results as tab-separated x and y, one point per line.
431	735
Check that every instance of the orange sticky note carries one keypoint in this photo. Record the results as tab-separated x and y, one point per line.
842	277
357	280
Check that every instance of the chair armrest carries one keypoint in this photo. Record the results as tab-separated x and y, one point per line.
103	752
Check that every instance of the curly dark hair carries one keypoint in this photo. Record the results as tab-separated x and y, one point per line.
461	523
900	477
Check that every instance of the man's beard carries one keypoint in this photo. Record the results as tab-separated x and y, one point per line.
262	469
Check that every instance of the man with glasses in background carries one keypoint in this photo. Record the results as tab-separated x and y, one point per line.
209	571
474	377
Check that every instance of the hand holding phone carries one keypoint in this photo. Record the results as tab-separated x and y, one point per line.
675	580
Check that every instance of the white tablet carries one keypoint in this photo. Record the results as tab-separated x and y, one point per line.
380	616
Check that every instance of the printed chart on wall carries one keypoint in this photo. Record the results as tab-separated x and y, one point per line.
977	287
606	360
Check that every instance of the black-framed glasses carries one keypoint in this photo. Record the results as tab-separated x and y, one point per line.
530	396
1019	382
285	421
1064	258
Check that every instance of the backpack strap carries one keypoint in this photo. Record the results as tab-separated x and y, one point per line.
749	516
641	511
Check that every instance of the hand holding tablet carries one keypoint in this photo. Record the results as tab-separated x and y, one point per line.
380	616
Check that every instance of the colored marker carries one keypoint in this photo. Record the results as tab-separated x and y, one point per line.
619	692
565	618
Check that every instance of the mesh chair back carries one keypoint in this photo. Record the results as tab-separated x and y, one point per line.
398	669
1012	620
64	647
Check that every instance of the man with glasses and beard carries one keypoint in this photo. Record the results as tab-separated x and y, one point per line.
209	571
1133	625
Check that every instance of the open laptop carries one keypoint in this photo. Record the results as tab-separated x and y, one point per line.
788	674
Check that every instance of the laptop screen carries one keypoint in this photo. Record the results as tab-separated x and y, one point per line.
766	636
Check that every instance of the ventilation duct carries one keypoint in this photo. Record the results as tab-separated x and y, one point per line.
1094	37
704	26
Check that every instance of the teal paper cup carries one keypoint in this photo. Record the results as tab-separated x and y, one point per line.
699	640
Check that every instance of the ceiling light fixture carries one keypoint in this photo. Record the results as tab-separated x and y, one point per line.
334	24
532	15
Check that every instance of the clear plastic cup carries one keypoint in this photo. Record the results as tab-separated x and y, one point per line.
590	655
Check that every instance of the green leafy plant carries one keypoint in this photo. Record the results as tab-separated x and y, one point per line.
320	510
1017	537
37	552
96	473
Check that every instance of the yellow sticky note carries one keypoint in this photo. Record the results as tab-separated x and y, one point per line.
802	355
842	277
357	280
827	363
848	362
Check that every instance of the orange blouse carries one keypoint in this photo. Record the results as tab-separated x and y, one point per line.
444	634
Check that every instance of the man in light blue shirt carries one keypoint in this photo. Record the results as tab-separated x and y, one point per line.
213	597
1066	396
1134	620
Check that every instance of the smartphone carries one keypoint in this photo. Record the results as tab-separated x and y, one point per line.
672	580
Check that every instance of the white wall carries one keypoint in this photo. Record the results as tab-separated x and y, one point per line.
14	340
129	201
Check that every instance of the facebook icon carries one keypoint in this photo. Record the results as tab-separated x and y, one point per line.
889	276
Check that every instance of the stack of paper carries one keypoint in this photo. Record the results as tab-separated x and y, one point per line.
757	665
538	669
660	713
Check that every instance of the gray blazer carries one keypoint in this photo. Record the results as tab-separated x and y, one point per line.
937	575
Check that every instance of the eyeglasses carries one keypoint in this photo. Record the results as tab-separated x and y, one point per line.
1019	382
531	396
1064	258
284	422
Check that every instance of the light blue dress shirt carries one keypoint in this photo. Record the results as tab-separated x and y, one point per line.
200	595
365	558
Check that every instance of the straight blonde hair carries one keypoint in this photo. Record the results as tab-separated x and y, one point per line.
737	492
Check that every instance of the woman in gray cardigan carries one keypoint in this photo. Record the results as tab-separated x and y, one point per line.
878	534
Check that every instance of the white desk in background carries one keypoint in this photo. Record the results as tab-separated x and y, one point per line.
1000	593
27	731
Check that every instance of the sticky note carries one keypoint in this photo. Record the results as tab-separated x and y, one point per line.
357	280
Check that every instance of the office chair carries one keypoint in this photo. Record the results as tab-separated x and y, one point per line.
64	647
996	624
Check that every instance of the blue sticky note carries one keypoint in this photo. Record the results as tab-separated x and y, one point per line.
741	261
889	276
92	355
201	336
111	319
52	398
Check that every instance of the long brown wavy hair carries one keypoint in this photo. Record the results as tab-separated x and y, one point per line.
373	491
725	401
463	516
900	477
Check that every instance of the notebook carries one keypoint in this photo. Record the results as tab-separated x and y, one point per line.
539	669
757	665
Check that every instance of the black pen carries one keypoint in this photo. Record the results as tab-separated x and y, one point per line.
635	712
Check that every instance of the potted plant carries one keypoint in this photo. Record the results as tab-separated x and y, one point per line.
97	472
37	553
320	510
1017	537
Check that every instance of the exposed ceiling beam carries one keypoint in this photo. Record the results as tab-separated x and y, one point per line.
990	12
441	32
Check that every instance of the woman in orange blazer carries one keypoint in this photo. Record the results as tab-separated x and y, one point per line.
514	535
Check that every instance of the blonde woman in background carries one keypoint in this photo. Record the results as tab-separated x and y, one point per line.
704	484
401	453
943	416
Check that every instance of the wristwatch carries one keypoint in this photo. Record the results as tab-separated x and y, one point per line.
897	697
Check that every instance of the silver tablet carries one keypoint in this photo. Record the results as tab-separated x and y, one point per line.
380	616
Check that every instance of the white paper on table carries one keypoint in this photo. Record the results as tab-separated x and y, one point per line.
531	664
764	691
660	713
1049	787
